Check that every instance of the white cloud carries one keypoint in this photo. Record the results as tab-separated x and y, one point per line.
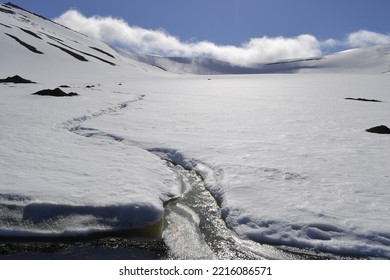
365	38
118	32
265	49
358	39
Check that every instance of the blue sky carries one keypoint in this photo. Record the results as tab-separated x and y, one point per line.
236	22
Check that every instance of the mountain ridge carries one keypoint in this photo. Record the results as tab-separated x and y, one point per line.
372	59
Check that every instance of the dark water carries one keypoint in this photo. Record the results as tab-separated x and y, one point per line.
113	248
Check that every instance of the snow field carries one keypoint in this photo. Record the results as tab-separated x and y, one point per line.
285	155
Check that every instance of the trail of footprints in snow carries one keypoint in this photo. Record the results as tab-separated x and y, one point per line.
75	123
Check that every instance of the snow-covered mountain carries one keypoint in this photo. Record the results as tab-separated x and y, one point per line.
46	38
286	156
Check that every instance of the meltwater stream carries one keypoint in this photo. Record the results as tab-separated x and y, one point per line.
194	228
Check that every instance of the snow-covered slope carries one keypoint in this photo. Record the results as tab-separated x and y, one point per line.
285	155
38	42
51	181
374	60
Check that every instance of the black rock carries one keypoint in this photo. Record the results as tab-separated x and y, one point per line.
54	92
363	99
7	11
16	80
382	129
24	44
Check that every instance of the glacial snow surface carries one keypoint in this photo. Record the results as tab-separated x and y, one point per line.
285	155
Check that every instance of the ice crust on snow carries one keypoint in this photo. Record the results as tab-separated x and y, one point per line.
285	155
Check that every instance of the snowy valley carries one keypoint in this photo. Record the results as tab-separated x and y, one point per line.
283	153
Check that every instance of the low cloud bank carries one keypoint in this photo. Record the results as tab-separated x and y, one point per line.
257	50
358	39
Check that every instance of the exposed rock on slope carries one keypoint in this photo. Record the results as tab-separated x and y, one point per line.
16	80
381	129
54	92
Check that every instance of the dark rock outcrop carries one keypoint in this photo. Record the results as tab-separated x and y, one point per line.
363	99
99	50
382	129
16	80
73	54
7	11
28	46
54	92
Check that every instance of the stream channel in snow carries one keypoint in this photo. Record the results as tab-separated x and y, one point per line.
192	225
